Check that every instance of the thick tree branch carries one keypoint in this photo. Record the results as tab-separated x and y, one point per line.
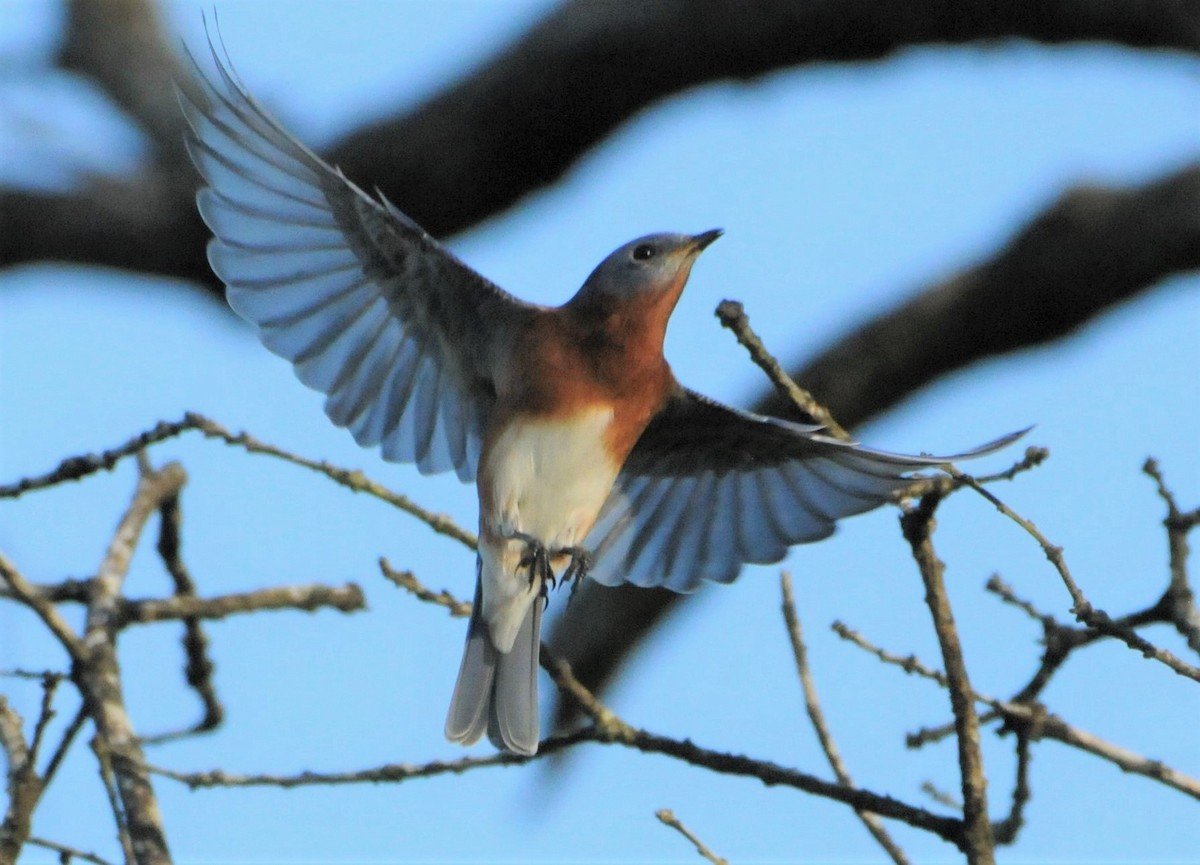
588	67
521	120
123	46
98	673
1093	248
977	828
23	786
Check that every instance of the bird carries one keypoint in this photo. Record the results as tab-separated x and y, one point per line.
590	459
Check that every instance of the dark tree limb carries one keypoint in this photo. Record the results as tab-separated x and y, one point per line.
1092	249
121	45
521	120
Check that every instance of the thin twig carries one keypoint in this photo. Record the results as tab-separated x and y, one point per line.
66	854
817	716
347	599
1061	640
1083	609
732	315
64	744
354	481
940	796
1008	595
1006	830
1179	602
607	728
74	468
78	467
1036	721
45	714
668	818
26	594
198	667
408	581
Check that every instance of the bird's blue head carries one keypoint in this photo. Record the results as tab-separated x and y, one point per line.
650	267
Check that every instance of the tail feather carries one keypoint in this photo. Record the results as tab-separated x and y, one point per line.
497	691
513	716
468	715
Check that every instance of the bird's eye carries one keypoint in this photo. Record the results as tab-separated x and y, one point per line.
643	252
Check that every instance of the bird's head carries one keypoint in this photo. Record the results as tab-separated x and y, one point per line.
651	269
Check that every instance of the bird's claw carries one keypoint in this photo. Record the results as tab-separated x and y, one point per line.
581	563
537	559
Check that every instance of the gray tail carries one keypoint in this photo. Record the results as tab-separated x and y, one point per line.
498	692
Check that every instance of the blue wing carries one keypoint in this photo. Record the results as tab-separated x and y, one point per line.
398	333
709	488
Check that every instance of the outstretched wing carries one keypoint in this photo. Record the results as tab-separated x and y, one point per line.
398	333
708	488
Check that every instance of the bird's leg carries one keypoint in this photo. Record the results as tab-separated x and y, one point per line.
537	559
581	563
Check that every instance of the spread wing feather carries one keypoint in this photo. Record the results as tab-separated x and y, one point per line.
398	333
708	488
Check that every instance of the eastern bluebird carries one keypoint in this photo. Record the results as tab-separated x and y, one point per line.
588	456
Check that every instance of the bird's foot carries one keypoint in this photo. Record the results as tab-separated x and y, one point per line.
581	563
537	559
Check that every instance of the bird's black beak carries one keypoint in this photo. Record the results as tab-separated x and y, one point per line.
704	239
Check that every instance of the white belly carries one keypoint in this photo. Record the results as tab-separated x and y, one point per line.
545	479
550	478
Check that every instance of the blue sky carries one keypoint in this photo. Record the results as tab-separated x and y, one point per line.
841	189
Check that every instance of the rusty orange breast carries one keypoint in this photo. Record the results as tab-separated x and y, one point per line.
567	361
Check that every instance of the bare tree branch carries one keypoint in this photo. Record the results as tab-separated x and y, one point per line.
74	468
408	581
23	785
732	315
198	670
1179	601
817	716
668	818
355	480
917	524
67	853
99	678
1035	720
20	588
607	729
515	125
1006	830
347	599
1083	609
